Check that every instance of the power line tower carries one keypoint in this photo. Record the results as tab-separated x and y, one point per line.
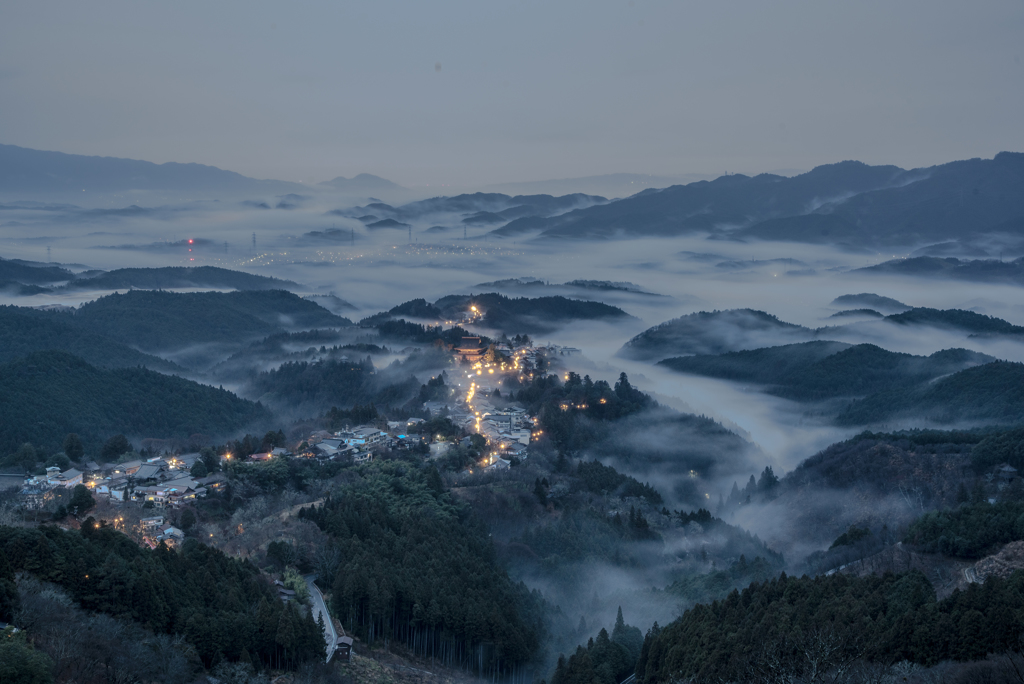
48	259
254	244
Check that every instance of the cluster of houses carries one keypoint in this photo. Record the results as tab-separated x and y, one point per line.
160	482
359	442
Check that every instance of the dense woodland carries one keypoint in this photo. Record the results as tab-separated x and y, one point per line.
50	394
606	659
157	321
342	382
969	321
969	530
224	608
32	273
523	314
710	332
813	371
24	331
790	628
418	568
991	394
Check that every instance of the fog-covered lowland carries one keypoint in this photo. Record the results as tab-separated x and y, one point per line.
674	395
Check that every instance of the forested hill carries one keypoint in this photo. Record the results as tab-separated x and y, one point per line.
32	273
714	332
222	607
419	569
178	277
158	321
989	394
47	395
510	315
977	270
958	319
822	370
797	629
23	331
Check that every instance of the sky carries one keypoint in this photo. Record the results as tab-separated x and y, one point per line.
472	93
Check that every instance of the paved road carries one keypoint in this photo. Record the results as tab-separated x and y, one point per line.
318	608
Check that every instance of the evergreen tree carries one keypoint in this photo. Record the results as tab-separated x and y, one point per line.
73	447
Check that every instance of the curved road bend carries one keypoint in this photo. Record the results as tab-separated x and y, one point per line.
318	607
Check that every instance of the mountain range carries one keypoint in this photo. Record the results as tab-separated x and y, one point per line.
28	171
848	203
974	204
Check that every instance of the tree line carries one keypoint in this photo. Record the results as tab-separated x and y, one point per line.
222	606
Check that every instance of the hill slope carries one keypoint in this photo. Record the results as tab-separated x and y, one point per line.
157	321
31	273
822	370
179	277
713	332
24	170
977	270
24	331
992	394
49	394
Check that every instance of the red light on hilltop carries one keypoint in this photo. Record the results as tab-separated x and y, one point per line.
190	241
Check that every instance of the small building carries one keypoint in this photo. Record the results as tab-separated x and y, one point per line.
69	478
155	521
148	471
170	535
343	649
127	468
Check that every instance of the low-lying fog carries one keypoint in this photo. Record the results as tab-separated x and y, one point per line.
375	269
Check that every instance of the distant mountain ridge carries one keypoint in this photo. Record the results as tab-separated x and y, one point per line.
37	171
708	333
363	184
976	270
479	208
848	203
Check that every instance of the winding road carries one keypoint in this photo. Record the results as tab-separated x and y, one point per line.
318	607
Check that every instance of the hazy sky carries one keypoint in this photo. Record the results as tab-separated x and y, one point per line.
486	92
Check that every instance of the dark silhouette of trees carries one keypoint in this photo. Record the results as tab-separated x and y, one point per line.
73	447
